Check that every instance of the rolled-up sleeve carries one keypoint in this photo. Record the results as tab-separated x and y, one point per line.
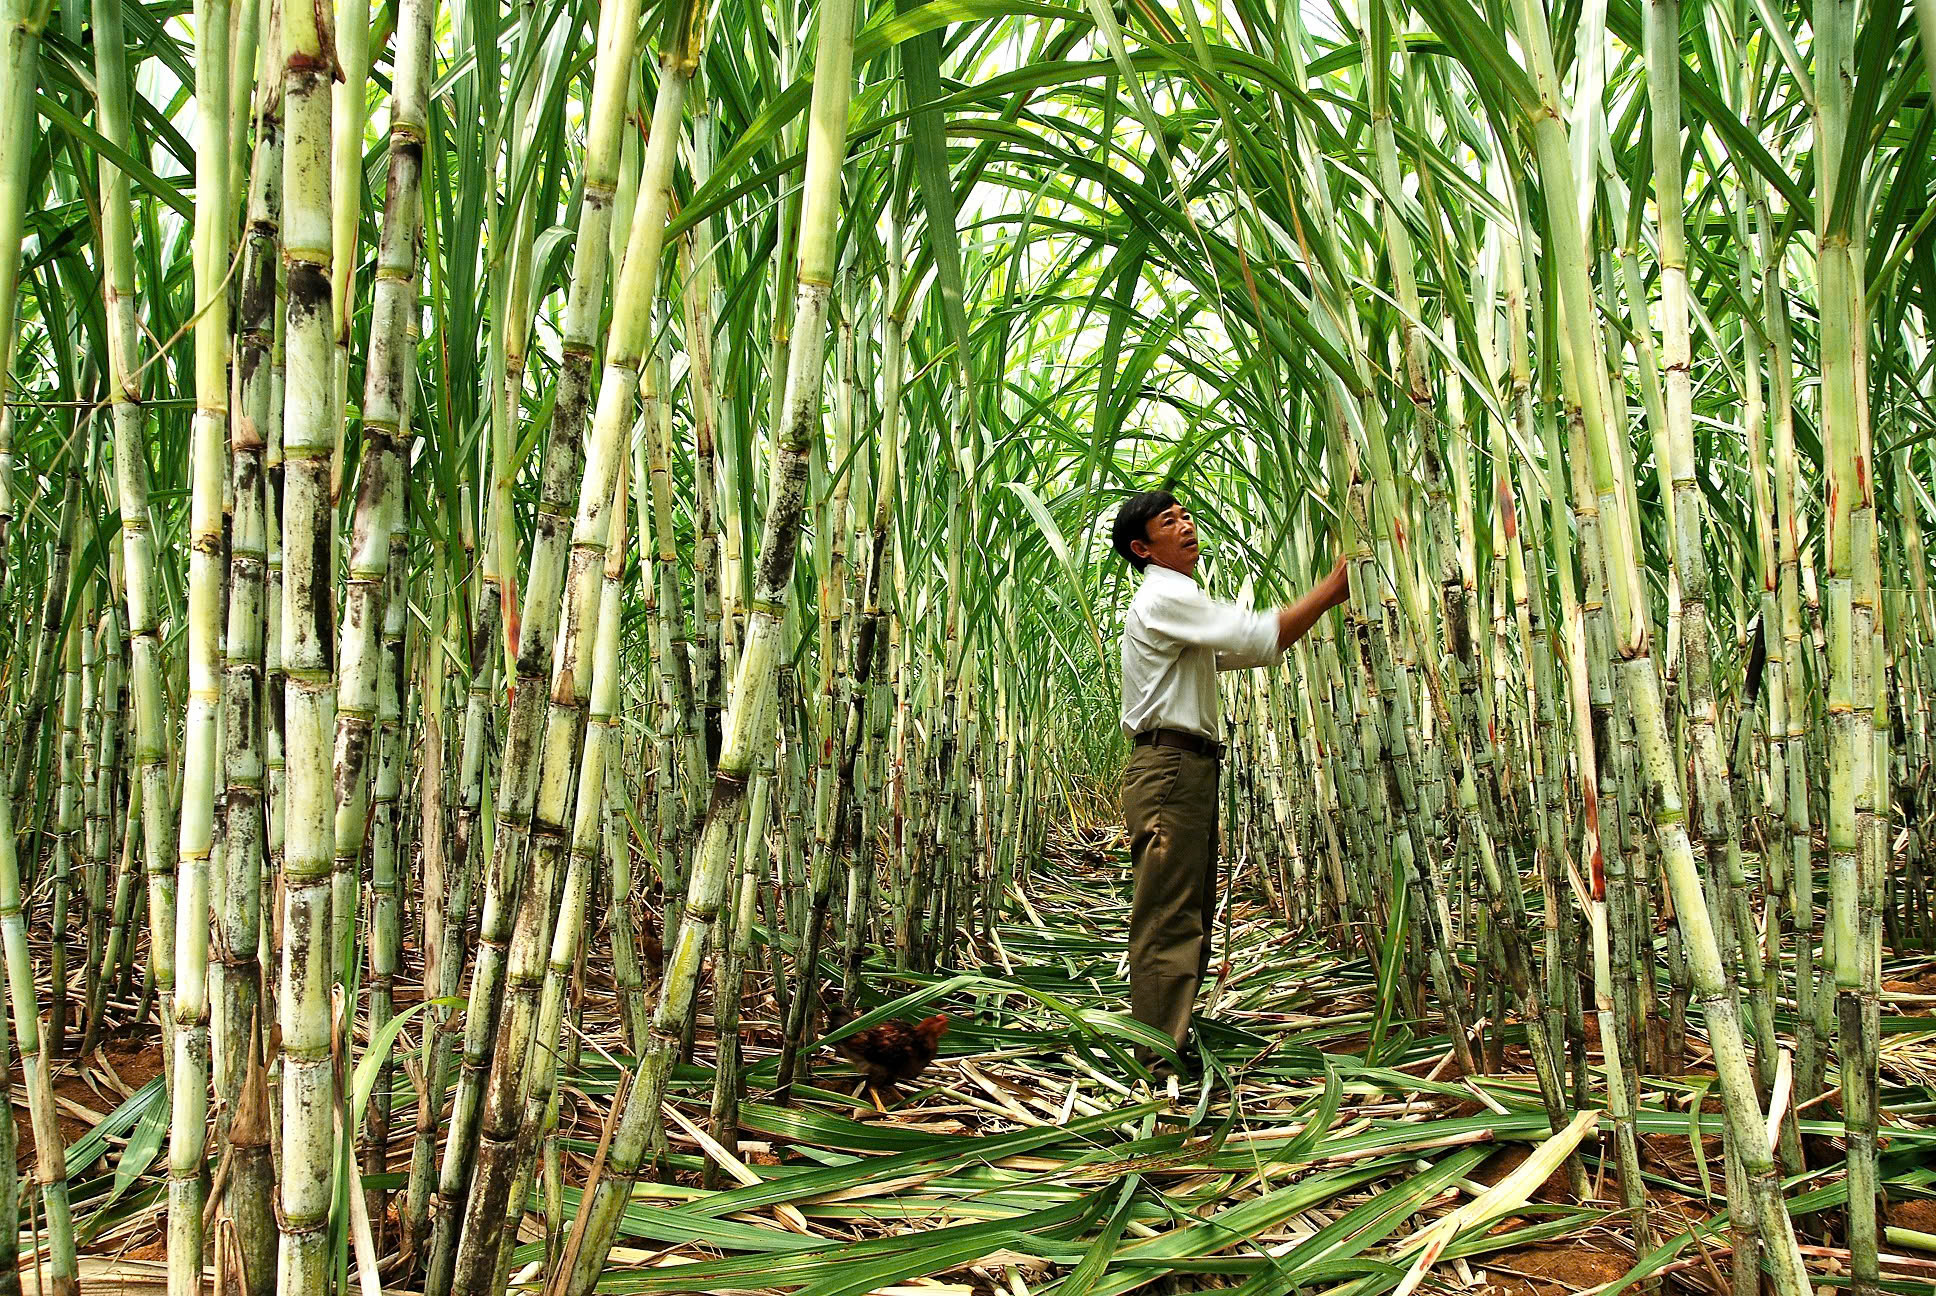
1240	637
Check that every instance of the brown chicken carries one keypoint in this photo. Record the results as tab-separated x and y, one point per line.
891	1051
651	947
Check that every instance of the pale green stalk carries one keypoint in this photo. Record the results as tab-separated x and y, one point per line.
671	649
389	382
50	1150
188	1131
1850	584
237	998
41	690
140	574
699	307
634	1012
111	697
21	25
484	657
729	978
307	660
67	824
349	98
600	749
385	938
112	954
499	1163
746	724
10	1193
1582	355
517	785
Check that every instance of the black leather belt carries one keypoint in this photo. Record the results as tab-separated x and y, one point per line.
1180	738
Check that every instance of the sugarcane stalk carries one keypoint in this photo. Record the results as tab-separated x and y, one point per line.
237	998
188	1134
349	107
517	783
1587	382
307	659
103	789
746	725
551	785
21	23
680	760
50	1152
1849	586
729	976
66	824
697	250
539	1092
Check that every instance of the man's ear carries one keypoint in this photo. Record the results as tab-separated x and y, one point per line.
1141	549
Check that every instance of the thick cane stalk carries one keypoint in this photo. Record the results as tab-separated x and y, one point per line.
517	784
746	726
371	633
1583	356
21	25
140	575
237	998
579	619
1849	585
188	1138
349	107
307	659
729	978
541	1075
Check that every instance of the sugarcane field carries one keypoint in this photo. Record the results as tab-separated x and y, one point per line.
968	647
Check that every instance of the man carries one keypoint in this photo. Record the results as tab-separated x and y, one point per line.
1175	640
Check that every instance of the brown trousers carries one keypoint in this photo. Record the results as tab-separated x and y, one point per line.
1170	807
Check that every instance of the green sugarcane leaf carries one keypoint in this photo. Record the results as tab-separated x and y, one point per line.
144	1145
921	67
1694	1140
1045	523
1318	1124
89	1147
956	1246
370	1065
54	112
1388	966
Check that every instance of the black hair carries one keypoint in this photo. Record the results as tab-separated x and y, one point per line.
1132	523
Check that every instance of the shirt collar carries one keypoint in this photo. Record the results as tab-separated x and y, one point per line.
1159	574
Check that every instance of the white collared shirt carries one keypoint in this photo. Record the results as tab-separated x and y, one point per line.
1175	640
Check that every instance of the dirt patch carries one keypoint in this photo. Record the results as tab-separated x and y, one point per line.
1673	1154
1551	1270
136	1058
133	1052
74	1089
1918	1214
1508	1159
1922	984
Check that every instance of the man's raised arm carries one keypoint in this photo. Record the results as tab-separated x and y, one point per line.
1295	620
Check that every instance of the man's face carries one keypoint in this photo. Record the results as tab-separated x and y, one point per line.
1172	541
